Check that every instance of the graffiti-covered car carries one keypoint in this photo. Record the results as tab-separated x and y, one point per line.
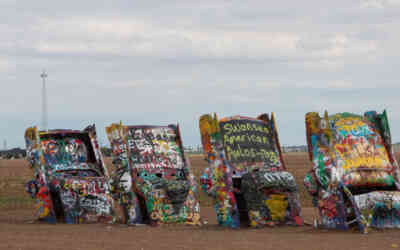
153	181
246	177
354	181
71	182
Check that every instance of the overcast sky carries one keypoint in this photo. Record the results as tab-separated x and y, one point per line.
161	62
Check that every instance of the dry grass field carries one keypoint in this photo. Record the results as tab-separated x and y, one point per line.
18	230
15	173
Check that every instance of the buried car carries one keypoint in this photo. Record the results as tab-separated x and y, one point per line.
355	177
153	181
71	181
246	176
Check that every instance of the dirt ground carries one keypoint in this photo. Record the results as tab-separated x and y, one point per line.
19	230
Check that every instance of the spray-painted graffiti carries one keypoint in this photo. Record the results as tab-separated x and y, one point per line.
380	209
154	148
71	181
66	151
248	141
351	160
153	182
246	176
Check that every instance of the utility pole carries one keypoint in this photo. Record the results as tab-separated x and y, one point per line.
44	101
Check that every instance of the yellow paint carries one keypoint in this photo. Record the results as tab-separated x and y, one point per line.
205	131
30	133
254	217
363	155
205	124
45	212
218	174
277	205
221	193
349	124
215	124
196	219
313	120
208	124
115	130
326	129
163	145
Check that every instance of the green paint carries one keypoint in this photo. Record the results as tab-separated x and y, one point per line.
389	180
322	172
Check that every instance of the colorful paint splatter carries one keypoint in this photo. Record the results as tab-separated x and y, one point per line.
154	183
246	176
71	181
353	161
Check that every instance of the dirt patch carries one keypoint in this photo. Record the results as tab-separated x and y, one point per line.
18	232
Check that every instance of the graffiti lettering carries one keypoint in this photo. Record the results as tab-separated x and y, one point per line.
244	127
251	153
247	140
356	150
154	147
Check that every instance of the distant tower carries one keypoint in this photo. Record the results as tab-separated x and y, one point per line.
5	145
44	101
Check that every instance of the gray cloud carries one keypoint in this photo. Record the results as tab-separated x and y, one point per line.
171	61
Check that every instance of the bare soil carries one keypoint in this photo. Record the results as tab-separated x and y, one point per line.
19	230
